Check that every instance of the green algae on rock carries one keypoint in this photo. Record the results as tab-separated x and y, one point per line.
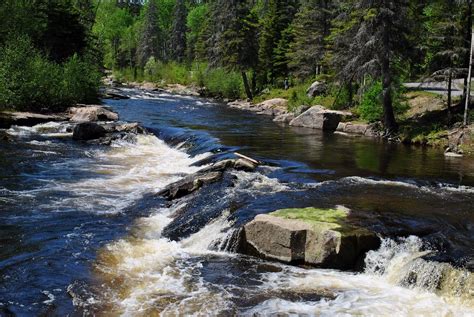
312	236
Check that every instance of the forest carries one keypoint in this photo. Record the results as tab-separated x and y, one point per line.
54	52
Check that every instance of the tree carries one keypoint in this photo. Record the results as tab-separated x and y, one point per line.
178	38
151	37
311	27
197	25
446	43
274	39
111	28
233	43
376	35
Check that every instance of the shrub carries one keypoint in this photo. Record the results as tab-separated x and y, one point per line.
223	83
81	81
151	70
29	81
370	108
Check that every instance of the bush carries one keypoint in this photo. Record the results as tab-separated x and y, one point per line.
81	81
223	83
169	73
29	81
370	108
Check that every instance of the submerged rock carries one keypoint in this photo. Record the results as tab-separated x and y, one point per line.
91	114
318	118
317	237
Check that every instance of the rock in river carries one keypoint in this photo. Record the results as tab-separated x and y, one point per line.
7	119
91	114
318	118
88	131
317	237
204	177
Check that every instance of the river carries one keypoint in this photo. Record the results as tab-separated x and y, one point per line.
82	233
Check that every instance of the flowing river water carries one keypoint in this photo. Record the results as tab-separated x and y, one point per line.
82	233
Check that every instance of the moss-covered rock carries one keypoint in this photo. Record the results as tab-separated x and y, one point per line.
312	236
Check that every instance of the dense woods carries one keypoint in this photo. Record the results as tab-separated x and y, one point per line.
363	50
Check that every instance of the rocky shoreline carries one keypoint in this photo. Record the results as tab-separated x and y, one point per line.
457	142
94	124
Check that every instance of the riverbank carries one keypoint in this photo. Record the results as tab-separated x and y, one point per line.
421	126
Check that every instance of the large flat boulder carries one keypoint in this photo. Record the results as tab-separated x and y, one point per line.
92	114
29	119
316	237
318	118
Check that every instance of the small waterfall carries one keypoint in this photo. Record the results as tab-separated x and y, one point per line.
402	263
148	273
230	242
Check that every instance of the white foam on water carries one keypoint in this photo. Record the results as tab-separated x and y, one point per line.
123	173
49	129
377	292
255	183
437	188
152	274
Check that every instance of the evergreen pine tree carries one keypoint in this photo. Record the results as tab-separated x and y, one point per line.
446	42
311	27
375	37
150	41
234	37
274	39
178	37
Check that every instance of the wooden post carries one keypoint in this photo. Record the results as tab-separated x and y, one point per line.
469	76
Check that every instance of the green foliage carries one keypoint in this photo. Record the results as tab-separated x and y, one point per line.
370	108
195	38
29	81
80	80
296	96
224	83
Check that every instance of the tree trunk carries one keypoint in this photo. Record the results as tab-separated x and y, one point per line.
351	93
467	38
468	85
254	81
390	124
248	91
450	85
